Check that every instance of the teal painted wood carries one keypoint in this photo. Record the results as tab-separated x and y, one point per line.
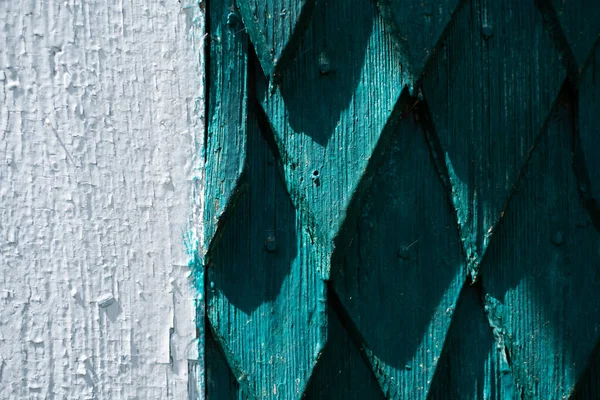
354	210
225	141
540	275
275	28
404	271
490	89
588	386
342	372
265	299
580	23
328	117
471	366
220	382
417	26
588	160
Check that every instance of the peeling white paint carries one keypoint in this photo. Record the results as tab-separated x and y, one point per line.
99	122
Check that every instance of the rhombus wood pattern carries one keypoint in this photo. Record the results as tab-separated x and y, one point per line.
402	199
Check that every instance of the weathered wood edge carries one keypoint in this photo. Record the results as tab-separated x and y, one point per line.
221	70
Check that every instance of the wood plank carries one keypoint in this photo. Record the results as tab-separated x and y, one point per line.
417	26
329	113
541	275
265	299
580	24
588	385
587	158
470	366
341	372
275	28
490	89
225	141
220	382
402	276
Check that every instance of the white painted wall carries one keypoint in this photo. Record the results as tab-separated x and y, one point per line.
99	123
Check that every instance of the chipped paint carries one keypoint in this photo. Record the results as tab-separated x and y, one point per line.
100	116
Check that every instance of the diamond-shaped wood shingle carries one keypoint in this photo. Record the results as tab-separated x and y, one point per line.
275	28
490	89
580	24
417	25
587	156
265	298
540	275
225	141
332	114
402	199
400	286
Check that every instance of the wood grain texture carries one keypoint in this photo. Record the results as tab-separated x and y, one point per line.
541	276
265	299
415	225
580	23
403	273
471	365
220	382
587	157
342	372
329	113
225	142
418	26
588	386
275	28
490	89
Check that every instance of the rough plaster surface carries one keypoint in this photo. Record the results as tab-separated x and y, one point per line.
99	121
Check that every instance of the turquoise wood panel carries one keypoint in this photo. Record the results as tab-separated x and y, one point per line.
404	271
275	28
227	105
588	144
332	115
220	382
579	22
265	299
417	27
588	386
471	366
342	372
401	200
490	91
541	275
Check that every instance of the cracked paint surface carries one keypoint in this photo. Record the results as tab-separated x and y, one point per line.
99	121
